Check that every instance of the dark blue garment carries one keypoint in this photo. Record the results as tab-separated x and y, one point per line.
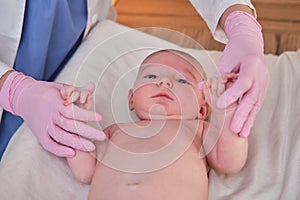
52	30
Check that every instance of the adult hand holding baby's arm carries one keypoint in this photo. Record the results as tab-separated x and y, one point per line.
243	54
60	129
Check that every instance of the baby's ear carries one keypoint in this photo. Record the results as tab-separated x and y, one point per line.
130	100
204	110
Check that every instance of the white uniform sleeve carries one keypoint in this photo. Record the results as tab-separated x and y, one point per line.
211	11
97	10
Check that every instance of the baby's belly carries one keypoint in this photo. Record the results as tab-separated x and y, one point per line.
185	179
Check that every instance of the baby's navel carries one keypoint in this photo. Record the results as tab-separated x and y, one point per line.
133	185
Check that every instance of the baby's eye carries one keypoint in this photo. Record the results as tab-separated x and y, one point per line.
150	76
183	81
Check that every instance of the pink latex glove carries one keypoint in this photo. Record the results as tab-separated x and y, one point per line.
244	54
60	129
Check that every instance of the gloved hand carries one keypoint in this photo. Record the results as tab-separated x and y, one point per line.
58	128
244	55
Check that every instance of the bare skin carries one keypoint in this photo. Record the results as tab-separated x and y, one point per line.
183	177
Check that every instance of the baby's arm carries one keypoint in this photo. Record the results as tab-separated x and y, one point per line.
83	164
229	153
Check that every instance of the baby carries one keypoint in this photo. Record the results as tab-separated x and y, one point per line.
168	152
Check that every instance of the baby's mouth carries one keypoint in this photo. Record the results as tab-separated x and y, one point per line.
163	95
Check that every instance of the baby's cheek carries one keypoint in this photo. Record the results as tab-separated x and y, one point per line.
140	83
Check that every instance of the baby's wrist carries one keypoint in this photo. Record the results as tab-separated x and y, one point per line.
229	109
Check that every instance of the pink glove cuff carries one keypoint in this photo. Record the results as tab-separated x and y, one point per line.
8	88
242	18
237	20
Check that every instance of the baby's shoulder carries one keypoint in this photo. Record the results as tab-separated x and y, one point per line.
117	128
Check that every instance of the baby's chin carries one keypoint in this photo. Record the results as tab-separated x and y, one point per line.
158	112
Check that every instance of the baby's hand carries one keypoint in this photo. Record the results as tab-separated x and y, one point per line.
228	79
214	87
80	96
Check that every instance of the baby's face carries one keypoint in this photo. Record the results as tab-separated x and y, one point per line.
167	87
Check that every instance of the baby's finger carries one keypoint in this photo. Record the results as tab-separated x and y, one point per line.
89	102
228	79
74	96
66	91
83	96
86	100
90	87
229	76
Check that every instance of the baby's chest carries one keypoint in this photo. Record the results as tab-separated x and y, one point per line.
157	136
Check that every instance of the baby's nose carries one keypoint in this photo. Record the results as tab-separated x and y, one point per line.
166	82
